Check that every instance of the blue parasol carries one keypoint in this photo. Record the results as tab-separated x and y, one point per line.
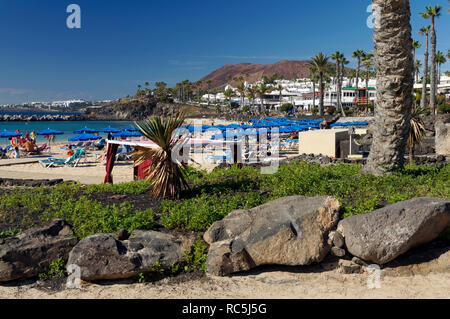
84	137
85	130
127	134
109	129
6	134
50	132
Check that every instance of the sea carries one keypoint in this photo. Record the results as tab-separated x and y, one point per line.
65	126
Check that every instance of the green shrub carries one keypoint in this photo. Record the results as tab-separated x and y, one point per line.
57	270
89	217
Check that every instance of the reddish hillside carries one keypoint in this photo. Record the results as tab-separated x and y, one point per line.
253	72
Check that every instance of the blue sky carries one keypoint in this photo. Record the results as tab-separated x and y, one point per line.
124	43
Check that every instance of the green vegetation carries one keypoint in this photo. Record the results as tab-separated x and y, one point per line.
194	259
212	196
57	270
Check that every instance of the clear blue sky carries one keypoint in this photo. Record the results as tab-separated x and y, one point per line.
124	43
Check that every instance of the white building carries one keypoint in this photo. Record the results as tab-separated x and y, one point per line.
68	103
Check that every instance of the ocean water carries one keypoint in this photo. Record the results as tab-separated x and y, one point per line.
66	126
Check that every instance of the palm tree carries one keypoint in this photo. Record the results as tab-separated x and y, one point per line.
229	93
208	82
261	90
320	62
358	55
416	131
416	45
425	31
417	67
368	62
280	88
440	59
250	92
241	90
314	77
433	13
337	56
343	63
393	65
164	172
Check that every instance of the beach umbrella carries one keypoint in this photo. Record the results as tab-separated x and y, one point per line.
85	130
6	134
131	128
109	129
84	137
127	134
233	126
50	132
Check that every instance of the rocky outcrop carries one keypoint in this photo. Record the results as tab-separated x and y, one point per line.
442	138
384	234
30	182
130	109
287	231
31	253
33	118
103	256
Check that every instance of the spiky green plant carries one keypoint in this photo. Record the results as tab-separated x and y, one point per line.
164	173
416	131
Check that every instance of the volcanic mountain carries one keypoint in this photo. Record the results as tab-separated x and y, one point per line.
254	72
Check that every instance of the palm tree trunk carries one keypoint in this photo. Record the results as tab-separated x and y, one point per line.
321	95
423	102
340	91
433	71
314	94
393	63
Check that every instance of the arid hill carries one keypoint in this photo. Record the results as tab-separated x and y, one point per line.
253	72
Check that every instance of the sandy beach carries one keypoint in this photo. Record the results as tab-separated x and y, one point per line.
91	170
270	285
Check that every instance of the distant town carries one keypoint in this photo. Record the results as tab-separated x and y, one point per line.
67	104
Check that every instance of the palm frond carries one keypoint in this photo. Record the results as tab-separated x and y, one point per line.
164	172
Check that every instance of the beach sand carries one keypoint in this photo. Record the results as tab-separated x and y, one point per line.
274	285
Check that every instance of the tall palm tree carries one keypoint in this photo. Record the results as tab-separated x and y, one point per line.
417	67
368	62
433	13
314	77
261	90
164	172
208	83
343	62
250	92
425	31
440	59
416	45
241	90
320	62
358	55
229	93
337	56
393	65
280	88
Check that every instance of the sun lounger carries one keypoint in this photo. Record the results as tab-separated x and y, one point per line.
70	162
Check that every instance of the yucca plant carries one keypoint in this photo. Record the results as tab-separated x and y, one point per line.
416	131
164	173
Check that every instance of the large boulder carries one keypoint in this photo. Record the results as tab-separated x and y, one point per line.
103	256
442	137
32	252
386	233
287	231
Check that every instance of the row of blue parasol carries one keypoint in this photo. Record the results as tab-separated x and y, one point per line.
84	134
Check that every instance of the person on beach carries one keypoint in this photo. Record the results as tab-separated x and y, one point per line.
16	153
323	125
33	136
